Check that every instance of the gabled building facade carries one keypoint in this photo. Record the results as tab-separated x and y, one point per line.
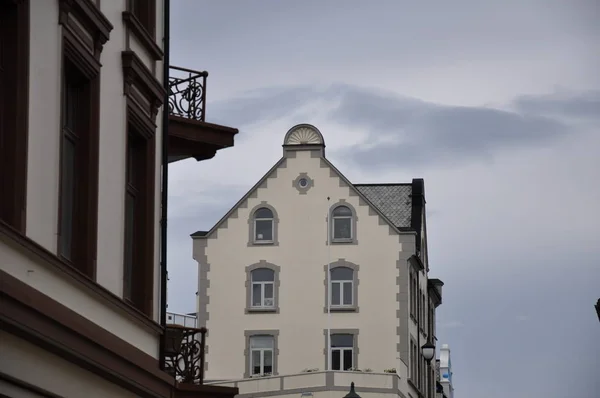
90	116
309	273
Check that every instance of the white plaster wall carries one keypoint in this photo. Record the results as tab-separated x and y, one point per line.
44	124
35	366
43	173
301	254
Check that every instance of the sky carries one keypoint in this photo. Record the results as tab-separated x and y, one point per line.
496	104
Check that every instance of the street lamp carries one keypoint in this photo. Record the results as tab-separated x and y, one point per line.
428	351
352	393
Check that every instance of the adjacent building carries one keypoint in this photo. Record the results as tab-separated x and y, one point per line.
445	372
310	282
90	115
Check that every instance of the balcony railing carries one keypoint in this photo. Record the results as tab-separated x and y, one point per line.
184	353
187	93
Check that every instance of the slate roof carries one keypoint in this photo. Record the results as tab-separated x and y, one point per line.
393	200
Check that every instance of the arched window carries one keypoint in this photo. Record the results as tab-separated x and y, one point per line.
342	287
263	225
263	288
341	229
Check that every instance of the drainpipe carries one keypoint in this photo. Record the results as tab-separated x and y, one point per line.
164	182
420	354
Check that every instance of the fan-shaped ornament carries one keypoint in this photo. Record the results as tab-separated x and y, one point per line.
303	135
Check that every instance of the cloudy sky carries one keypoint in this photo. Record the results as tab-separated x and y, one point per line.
496	104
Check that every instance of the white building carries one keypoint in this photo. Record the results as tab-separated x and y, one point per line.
445	372
83	128
263	278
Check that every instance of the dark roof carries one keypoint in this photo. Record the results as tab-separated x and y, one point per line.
393	200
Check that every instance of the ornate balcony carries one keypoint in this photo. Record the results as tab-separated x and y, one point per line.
184	353
189	133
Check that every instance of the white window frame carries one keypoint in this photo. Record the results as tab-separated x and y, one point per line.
262	285
336	218
271	219
262	352
342	283
342	350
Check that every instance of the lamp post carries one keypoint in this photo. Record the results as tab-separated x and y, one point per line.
428	351
352	393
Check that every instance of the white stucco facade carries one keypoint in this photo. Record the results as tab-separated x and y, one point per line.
37	268
379	253
44	166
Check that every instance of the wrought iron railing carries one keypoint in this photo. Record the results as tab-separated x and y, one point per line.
184	353
187	93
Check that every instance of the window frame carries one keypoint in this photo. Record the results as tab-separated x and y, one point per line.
144	26
248	334
14	115
262	264
355	346
353	224
79	63
263	288
252	241
144	96
342	263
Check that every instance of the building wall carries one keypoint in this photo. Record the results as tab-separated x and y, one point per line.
32	365
43	171
302	255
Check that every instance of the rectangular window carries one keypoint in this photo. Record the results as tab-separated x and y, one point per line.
261	355
78	170
263	230
145	12
14	71
342	228
342	351
341	293
262	294
138	264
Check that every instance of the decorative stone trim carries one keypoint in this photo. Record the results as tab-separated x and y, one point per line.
276	283
355	281
297	183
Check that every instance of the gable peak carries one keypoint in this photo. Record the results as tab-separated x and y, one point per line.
303	137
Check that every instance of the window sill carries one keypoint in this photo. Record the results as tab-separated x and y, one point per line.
143	35
259	310
22	243
337	241
263	243
413	318
343	309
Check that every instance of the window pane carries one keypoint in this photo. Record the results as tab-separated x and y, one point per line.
67	198
261	342
129	242
255	362
263	213
347	359
342	211
268	291
264	229
263	275
256	295
335	293
342	228
268	364
335	360
341	274
347	293
342	340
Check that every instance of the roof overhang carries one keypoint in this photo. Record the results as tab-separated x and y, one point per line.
189	138
434	287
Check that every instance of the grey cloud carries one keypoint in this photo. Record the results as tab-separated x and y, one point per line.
254	106
578	105
422	133
428	133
